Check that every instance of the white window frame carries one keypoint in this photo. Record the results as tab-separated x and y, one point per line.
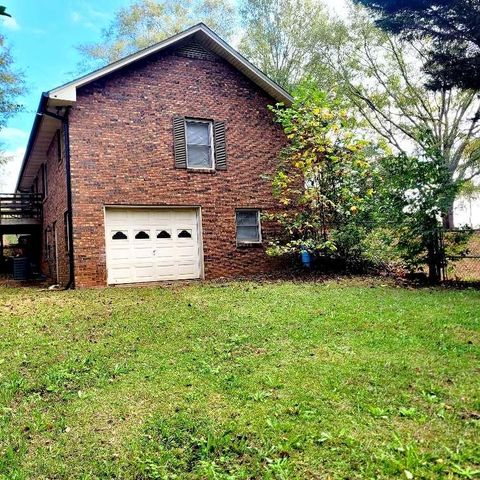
249	242
210	137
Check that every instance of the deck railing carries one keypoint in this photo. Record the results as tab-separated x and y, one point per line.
20	206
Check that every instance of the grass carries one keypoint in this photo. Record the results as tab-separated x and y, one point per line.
350	379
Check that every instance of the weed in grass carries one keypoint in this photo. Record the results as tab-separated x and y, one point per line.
408	412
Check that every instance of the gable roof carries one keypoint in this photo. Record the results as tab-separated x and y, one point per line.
201	34
45	125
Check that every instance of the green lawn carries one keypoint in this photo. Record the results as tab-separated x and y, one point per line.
239	381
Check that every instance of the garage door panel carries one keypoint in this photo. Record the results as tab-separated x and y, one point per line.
144	273
152	244
163	253
140	253
167	271
121	275
120	256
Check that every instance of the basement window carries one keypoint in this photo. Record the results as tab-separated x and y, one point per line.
248	226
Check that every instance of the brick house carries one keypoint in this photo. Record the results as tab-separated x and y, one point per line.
154	167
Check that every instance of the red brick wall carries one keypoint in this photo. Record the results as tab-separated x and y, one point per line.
121	145
54	208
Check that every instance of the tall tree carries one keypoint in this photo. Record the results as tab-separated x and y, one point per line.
146	22
453	59
383	79
11	87
284	37
11	84
324	180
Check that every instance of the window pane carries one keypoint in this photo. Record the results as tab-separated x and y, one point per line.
247	218
197	133
164	234
185	234
119	236
199	156
248	234
142	235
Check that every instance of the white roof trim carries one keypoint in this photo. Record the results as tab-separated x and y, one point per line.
67	93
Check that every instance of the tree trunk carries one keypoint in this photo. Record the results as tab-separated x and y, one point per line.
448	220
434	258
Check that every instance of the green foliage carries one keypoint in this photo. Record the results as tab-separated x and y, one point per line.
146	22
325	177
12	85
3	11
382	77
415	194
285	38
379	247
453	59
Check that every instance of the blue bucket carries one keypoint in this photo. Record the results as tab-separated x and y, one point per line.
306	258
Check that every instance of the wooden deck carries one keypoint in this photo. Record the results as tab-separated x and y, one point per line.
19	211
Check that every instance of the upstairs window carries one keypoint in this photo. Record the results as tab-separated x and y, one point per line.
248	226
199	142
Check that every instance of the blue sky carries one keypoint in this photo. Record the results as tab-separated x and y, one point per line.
43	35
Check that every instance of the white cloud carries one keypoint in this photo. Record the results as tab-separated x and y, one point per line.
10	23
75	17
9	170
10	133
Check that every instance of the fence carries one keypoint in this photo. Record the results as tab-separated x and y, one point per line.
465	266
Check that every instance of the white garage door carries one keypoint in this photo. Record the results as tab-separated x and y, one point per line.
145	245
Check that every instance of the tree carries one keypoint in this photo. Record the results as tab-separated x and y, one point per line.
413	195
147	22
382	77
284	37
453	26
11	87
3	11
324	180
